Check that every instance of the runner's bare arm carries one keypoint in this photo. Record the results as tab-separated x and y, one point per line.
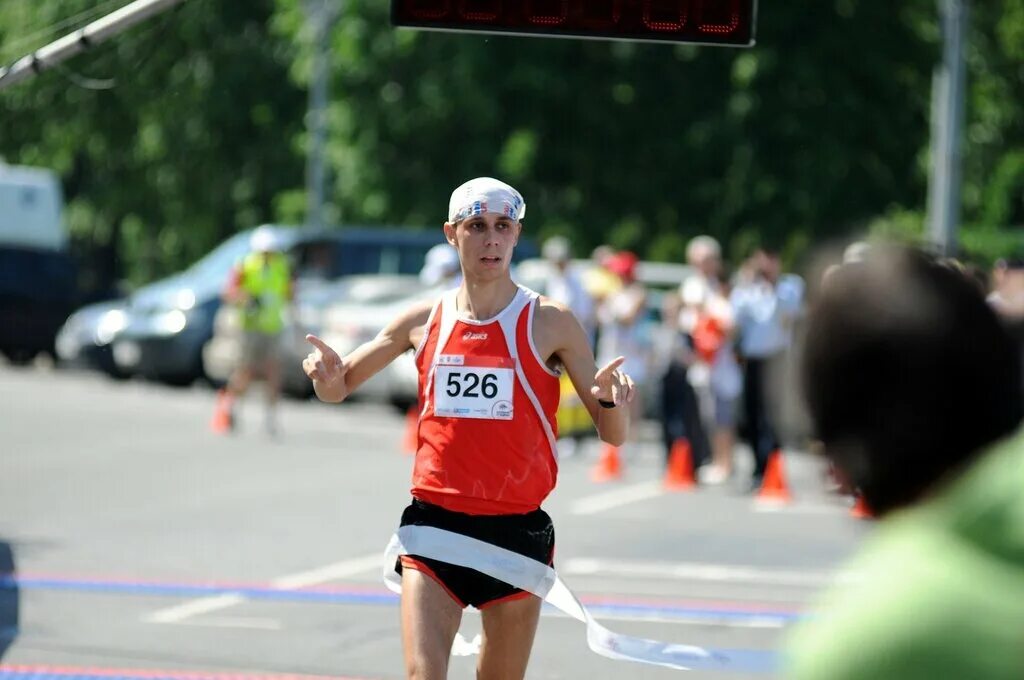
334	377
558	334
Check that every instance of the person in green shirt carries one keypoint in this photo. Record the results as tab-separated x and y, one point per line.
914	388
260	286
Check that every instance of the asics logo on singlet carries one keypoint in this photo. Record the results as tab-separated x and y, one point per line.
470	335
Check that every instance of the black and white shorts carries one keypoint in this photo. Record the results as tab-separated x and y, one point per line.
531	534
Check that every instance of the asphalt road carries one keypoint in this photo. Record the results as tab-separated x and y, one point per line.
142	545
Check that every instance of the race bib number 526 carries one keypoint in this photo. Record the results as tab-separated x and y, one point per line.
474	387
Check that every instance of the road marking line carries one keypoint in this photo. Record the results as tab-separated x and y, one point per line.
204	605
590	505
35	672
693	571
800	508
303	579
332	572
252	623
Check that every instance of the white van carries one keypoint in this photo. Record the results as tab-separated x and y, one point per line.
37	274
31	203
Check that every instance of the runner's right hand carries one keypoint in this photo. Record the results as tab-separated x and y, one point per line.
327	371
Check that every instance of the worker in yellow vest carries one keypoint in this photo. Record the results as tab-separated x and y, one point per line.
261	288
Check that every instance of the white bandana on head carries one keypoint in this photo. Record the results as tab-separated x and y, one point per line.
484	195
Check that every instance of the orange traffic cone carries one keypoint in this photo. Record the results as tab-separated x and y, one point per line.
608	467
412	425
860	509
679	475
222	421
773	487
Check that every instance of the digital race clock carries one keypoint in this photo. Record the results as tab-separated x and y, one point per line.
716	22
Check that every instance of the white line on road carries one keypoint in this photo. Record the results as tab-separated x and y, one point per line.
304	579
800	508
251	623
694	571
332	572
204	605
590	505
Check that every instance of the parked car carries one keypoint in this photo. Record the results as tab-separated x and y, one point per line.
312	298
37	274
84	341
169	322
348	324
358	306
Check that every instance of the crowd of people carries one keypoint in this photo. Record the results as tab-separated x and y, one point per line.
708	353
712	358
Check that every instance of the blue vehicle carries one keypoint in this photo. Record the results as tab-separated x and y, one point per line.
166	324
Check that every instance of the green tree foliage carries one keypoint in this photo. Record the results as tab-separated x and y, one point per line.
819	131
189	145
994	150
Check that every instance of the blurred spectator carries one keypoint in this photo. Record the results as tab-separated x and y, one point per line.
1007	296
566	285
599	280
765	305
441	266
621	319
261	287
680	412
914	388
704	255
707	317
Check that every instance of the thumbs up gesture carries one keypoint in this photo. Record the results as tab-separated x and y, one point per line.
327	371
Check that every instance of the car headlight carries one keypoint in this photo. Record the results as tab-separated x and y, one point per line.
172	322
111	323
186	300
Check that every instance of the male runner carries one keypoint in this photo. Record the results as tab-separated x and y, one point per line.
489	354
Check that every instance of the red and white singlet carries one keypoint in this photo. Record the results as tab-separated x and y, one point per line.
487	429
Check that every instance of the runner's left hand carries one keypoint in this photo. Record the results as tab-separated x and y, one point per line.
611	384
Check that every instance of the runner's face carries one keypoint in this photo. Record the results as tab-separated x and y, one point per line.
485	243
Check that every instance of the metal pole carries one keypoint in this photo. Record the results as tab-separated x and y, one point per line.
82	39
322	14
948	95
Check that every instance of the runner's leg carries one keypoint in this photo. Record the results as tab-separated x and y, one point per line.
509	629
272	377
430	620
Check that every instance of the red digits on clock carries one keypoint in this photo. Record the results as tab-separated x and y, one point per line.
480	10
601	14
723	22
547	12
718	16
666	15
429	9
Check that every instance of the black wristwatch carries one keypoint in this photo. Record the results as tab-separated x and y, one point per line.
604	403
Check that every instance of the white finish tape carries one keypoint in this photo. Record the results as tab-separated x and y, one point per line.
534	577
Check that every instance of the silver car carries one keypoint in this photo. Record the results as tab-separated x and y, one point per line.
349	324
